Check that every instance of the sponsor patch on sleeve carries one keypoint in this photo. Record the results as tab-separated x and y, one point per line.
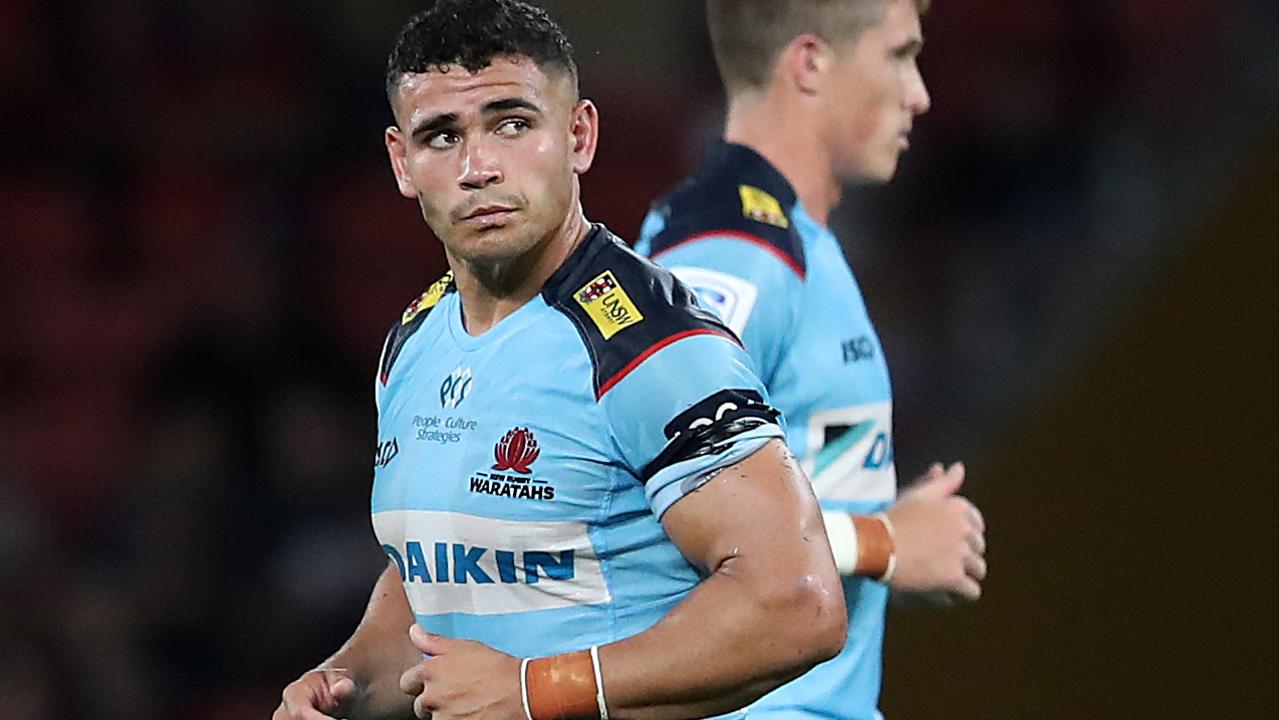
728	296
428	299
762	207
608	305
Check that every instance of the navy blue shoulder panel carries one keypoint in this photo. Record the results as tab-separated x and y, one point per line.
736	193
412	319
624	307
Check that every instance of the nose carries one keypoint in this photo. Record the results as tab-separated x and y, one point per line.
917	100
480	167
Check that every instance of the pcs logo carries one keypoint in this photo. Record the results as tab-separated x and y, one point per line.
455	388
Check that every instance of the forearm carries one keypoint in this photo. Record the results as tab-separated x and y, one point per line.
770	608
734	638
378	652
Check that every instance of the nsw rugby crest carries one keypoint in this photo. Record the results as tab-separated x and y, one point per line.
511	474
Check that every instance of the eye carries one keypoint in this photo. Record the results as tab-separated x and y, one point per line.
442	140
513	127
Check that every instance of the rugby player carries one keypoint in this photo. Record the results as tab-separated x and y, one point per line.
587	502
821	93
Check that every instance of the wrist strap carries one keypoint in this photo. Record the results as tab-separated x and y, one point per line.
843	540
599	682
875	549
528	714
892	543
562	687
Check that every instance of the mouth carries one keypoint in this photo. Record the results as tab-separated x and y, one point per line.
488	215
903	140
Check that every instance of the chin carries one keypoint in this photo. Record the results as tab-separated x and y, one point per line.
496	244
884	171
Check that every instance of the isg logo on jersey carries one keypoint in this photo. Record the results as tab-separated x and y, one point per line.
455	388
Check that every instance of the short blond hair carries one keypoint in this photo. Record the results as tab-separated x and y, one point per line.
748	35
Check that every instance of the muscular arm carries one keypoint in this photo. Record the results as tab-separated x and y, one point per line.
373	658
770	608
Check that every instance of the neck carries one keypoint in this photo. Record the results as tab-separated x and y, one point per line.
490	290
791	141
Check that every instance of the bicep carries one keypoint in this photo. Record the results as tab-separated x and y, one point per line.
761	508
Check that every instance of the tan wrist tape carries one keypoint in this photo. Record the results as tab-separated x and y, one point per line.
562	687
874	547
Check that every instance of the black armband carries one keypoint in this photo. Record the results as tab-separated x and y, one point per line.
709	427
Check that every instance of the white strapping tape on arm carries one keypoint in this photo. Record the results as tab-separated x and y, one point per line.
842	535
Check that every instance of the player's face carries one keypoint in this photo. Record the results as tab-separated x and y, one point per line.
877	91
491	156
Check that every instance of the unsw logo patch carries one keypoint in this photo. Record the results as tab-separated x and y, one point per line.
608	305
515	452
428	299
762	207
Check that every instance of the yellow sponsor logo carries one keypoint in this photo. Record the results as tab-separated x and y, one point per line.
428	299
762	207
608	305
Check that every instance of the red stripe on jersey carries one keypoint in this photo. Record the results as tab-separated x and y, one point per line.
652	349
737	235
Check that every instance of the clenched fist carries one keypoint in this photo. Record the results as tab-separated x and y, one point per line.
939	538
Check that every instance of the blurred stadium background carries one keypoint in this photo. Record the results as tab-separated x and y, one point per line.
201	248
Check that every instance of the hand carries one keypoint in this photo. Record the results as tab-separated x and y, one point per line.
939	538
318	695
462	679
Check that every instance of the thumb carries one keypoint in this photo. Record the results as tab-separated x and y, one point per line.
430	643
342	689
935	486
421	638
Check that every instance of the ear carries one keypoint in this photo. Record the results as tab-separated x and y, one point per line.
804	62
585	131
397	151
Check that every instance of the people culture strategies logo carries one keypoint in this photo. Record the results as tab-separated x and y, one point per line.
455	388
514	456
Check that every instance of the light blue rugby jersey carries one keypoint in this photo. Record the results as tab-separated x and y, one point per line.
521	474
737	234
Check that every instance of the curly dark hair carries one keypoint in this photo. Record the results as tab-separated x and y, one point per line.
471	33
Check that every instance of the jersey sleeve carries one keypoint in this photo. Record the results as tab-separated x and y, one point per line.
753	290
691	408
